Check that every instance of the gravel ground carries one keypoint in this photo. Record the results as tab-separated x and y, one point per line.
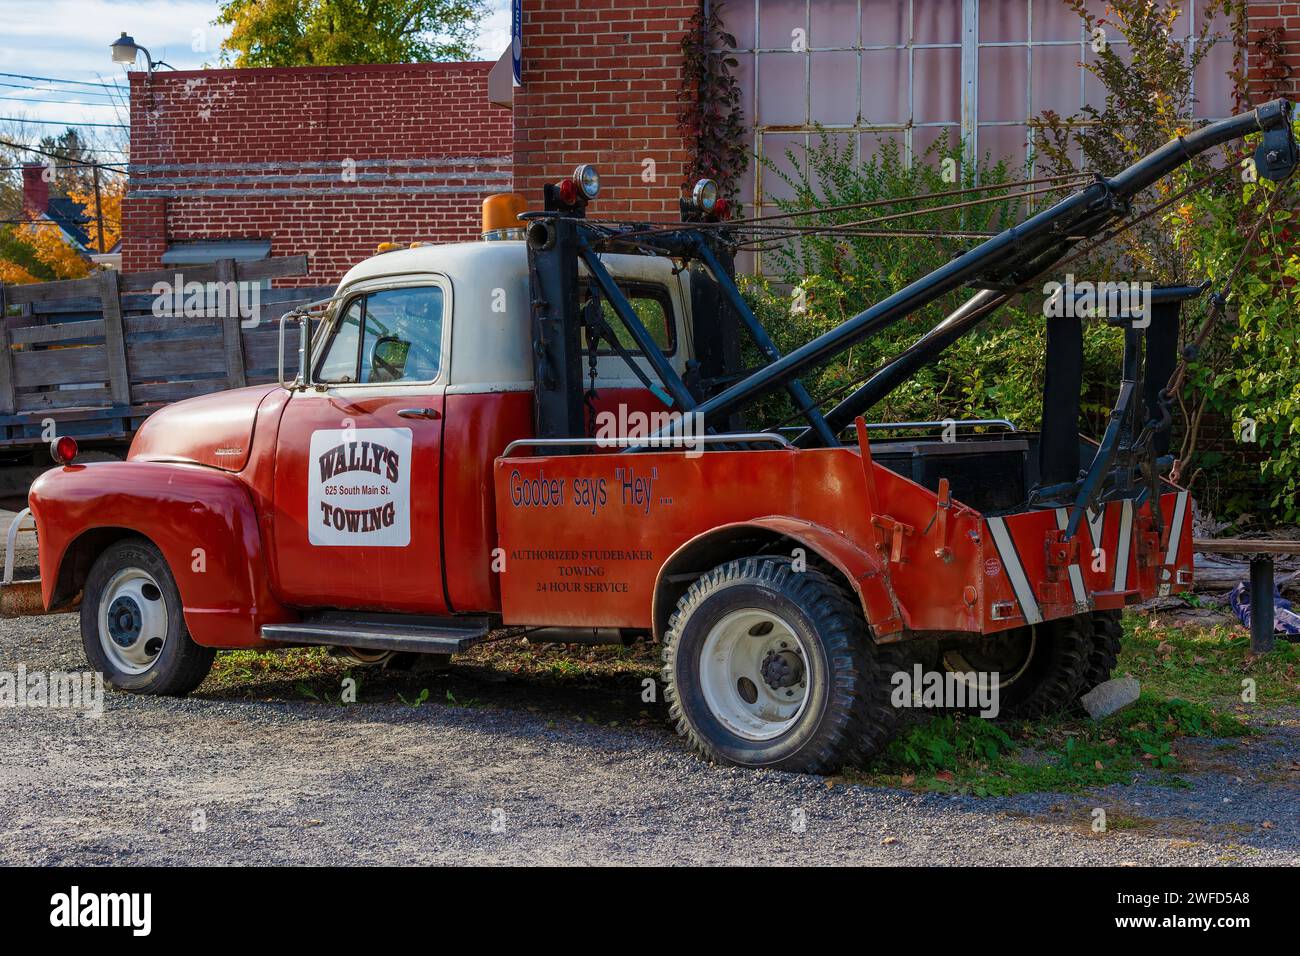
287	781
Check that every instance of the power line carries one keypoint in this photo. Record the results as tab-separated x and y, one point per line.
110	167
55	79
31	102
66	159
47	222
50	89
19	119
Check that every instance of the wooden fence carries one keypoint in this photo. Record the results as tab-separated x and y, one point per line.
94	355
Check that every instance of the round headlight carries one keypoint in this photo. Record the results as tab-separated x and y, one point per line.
587	180
705	195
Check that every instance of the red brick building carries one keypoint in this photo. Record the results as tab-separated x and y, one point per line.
331	161
328	161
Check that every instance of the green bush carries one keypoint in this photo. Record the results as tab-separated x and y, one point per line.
1247	375
996	371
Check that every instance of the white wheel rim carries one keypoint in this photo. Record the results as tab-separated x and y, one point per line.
754	653
132	620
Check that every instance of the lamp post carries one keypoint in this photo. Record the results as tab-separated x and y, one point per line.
125	50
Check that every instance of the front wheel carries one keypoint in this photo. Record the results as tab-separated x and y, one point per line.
133	627
766	666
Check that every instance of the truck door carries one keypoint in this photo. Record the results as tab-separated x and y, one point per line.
357	502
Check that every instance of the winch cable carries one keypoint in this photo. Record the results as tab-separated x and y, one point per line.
1028	283
766	221
922	197
850	227
767	243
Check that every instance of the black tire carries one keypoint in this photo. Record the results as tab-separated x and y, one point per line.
846	717
1107	635
180	665
1041	665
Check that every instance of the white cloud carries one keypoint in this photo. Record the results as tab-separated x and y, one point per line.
494	32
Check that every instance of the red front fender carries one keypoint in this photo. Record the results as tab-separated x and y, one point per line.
201	519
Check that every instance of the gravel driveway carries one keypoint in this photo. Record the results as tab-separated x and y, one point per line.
276	780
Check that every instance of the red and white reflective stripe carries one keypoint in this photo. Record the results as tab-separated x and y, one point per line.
1176	527
1076	573
1124	545
1171	554
1015	570
1097	526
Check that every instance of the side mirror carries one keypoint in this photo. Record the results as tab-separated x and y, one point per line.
303	378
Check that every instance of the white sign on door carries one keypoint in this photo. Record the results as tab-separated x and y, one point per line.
359	489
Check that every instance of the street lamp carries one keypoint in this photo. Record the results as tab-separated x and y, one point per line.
125	50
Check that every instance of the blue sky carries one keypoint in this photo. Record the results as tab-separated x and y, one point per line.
69	40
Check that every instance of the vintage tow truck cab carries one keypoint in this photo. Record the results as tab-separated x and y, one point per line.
546	429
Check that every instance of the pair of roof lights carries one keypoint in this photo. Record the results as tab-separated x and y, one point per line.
584	185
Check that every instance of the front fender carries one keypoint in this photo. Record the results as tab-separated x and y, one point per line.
201	519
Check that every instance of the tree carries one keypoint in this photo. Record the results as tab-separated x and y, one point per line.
37	252
110	211
1148	83
72	155
336	32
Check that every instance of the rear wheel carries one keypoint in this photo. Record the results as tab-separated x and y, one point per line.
1107	633
768	667
1039	668
133	627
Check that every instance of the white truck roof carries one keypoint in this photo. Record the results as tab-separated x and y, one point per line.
491	350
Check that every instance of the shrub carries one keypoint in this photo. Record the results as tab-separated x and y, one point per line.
996	371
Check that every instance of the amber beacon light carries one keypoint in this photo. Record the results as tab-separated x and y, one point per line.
501	216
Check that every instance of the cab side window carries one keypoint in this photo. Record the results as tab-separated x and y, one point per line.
393	335
652	305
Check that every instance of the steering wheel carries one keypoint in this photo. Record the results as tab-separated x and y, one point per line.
379	363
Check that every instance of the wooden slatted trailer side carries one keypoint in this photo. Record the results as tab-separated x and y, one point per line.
92	358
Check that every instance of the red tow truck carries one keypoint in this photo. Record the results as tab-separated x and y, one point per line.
436	470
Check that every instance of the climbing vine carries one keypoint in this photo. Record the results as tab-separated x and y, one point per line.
710	116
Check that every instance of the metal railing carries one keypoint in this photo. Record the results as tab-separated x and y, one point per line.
665	443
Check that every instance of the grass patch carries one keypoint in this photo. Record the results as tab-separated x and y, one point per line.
236	669
1207	664
959	753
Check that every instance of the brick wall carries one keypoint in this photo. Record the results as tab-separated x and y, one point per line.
327	161
1269	20
600	82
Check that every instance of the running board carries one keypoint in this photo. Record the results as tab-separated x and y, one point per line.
382	632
